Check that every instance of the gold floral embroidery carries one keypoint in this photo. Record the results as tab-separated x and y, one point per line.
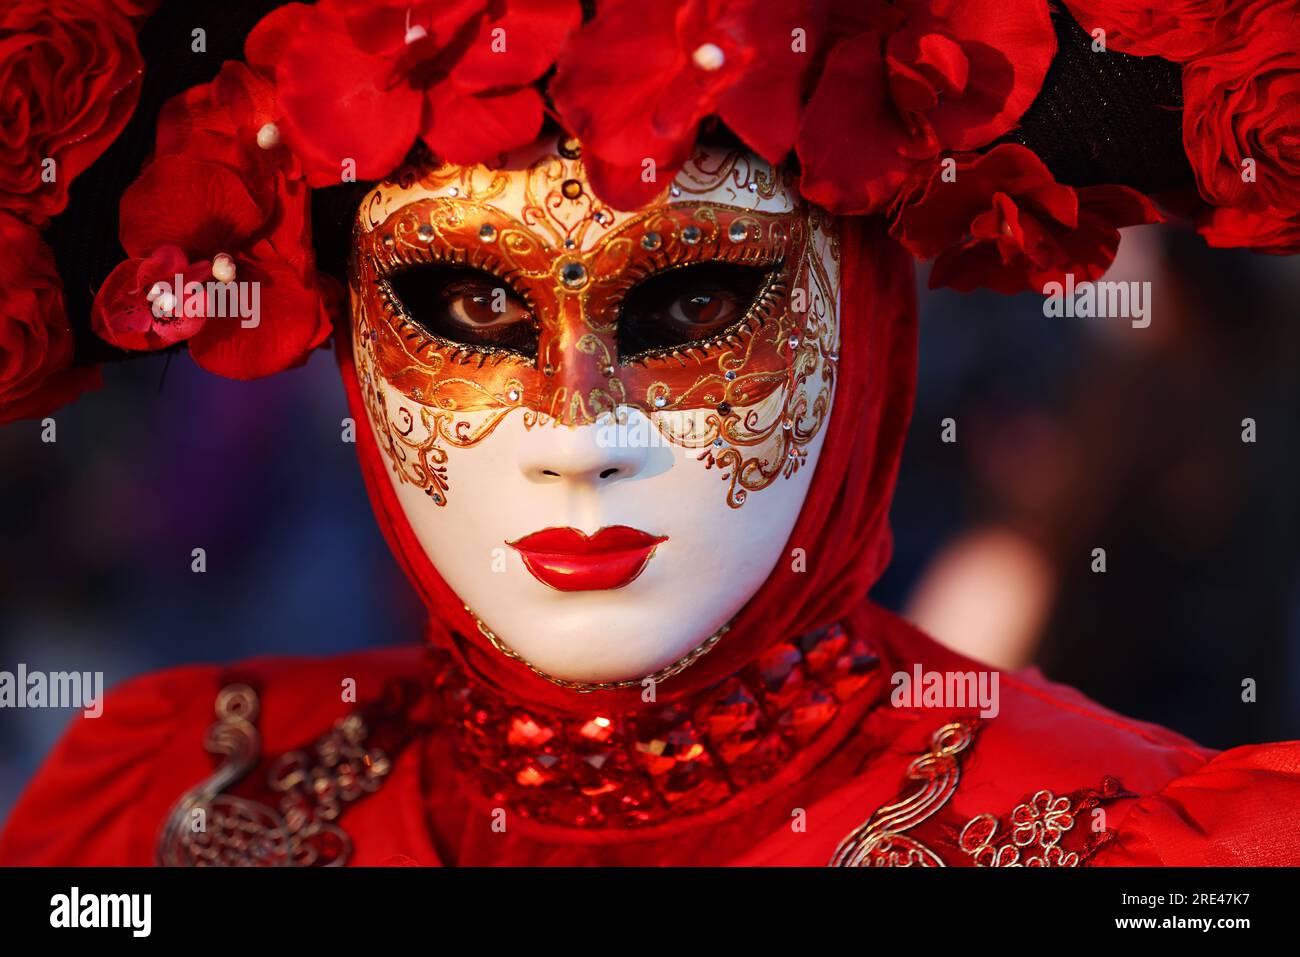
1037	827
1031	837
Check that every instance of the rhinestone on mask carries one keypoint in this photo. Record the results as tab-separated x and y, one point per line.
737	232
691	235
487	233
573	275
651	241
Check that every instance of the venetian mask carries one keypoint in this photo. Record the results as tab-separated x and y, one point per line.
601	424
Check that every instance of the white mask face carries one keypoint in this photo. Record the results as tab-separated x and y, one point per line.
601	425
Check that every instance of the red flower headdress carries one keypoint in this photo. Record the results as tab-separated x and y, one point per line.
928	112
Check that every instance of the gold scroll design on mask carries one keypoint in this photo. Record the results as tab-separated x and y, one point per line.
735	391
557	205
762	424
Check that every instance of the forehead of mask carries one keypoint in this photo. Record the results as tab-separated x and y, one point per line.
487	445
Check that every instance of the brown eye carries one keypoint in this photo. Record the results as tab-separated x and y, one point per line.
687	304
465	306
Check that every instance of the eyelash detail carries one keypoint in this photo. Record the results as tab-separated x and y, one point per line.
460	353
775	286
385	267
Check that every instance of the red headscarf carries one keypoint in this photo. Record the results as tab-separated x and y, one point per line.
842	528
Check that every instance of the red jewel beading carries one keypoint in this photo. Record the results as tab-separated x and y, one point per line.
643	767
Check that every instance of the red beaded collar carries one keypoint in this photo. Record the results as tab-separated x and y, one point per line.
642	768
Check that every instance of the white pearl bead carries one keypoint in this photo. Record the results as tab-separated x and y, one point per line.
415	34
164	304
223	268
709	56
268	137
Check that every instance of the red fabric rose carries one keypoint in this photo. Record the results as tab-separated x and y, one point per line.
360	81
1241	125
36	373
913	80
1174	29
1004	223
635	82
69	80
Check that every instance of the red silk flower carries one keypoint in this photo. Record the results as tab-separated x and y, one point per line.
221	183
913	80
359	81
69	80
1241	128
36	373
634	84
1174	29
1003	222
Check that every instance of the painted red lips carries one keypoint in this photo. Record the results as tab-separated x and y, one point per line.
568	560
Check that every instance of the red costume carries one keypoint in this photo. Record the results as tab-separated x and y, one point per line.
780	746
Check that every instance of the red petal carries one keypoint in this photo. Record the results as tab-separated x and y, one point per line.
178	201
850	139
467	128
623	187
267	42
611	76
290	324
339	105
533	32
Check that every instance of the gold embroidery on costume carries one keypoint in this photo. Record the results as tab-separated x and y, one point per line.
209	827
1037	827
1031	837
882	840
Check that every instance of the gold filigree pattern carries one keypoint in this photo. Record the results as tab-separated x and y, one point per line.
751	401
1037	827
209	827
882	840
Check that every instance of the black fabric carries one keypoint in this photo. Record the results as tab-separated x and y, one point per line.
1107	117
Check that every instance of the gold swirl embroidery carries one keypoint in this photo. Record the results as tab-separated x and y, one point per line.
882	841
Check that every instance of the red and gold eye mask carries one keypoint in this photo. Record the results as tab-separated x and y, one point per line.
479	291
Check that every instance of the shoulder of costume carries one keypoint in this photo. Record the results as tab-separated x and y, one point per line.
940	773
99	797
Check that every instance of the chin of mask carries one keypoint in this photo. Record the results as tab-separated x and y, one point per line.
601	424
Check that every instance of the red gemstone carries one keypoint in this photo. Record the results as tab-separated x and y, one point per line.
812	712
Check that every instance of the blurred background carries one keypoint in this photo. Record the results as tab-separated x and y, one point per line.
1072	434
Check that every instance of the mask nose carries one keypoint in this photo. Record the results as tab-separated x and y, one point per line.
593	455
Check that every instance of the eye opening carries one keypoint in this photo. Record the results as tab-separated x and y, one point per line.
694	306
462	308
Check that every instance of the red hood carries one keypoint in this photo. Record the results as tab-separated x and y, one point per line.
843	527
